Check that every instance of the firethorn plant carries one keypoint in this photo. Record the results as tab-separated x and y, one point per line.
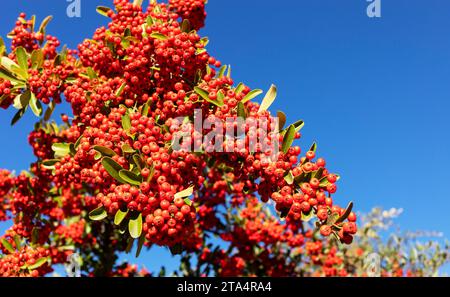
109	176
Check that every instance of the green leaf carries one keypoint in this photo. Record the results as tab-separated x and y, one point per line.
252	94
135	226
185	193
91	73
2	47
18	116
48	113
188	201
149	21
137	2
8	75
105	151
281	120
288	139
7	245
239	88
120	216
61	149
22	58
222	71
13	68
126	122
130	177
18	241
37	59
269	98
35	105
38	263
307	217
313	147
34	235
159	36
126	148
185	26
141	242
22	100
44	24
138	161
120	90
103	10
346	213
204	94
129	245
113	168
289	178
241	111
220	97
145	109
98	214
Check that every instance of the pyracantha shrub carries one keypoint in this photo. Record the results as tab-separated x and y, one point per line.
131	164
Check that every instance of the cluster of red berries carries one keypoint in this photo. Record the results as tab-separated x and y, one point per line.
20	262
6	183
191	10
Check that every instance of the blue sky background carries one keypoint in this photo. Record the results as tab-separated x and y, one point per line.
374	93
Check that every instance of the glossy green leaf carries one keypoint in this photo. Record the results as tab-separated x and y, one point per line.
98	214
135	226
204	94
107	152
8	75
185	193
159	36
281	120
38	263
120	216
7	245
120	90
269	98
221	72
307	217
130	178
185	26
22	100
61	149
48	113
103	10
113	168
239	88
288	139
44	24
313	147
19	114
126	148
37	59
241	111
346	213
126	122
252	94
35	105
289	178
22	58
188	201
141	242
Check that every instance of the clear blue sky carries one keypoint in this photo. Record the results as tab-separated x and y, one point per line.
374	93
